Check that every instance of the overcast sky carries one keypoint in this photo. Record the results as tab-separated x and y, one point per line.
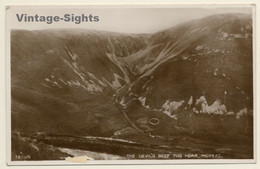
141	19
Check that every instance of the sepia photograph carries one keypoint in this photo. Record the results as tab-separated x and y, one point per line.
127	83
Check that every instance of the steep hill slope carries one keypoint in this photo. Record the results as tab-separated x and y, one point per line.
67	78
210	57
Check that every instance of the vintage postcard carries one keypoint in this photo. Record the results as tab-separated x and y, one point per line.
142	84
